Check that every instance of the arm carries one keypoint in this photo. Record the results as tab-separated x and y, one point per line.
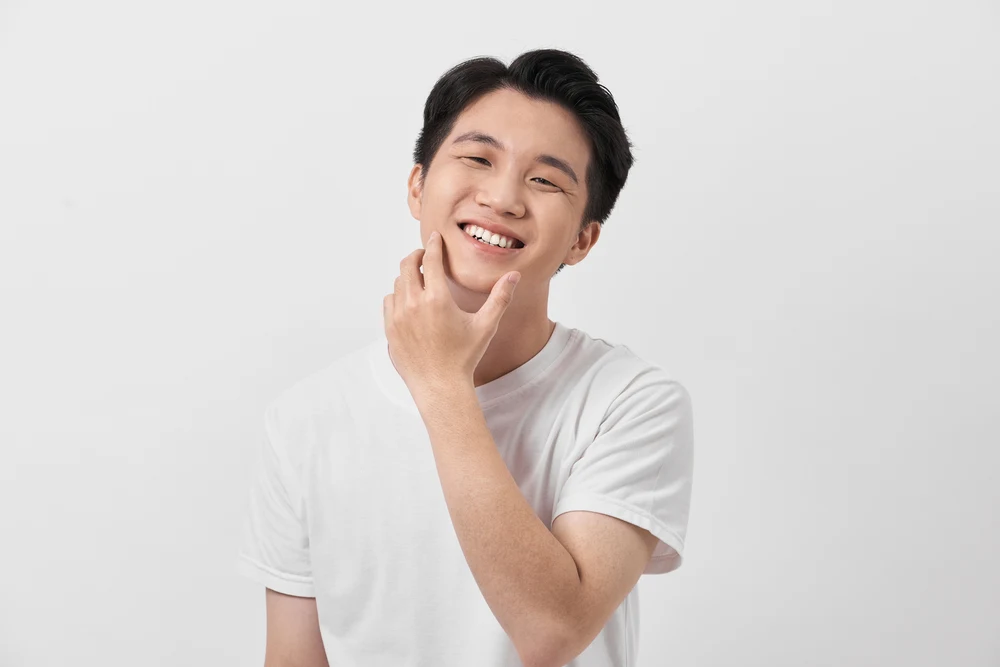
552	592
293	637
527	577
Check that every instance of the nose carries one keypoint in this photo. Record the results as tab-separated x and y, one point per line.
502	193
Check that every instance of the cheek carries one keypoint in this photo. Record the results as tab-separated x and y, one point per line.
451	185
460	183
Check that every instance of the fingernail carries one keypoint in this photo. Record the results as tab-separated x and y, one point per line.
434	235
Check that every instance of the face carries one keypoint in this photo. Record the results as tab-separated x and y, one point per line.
513	162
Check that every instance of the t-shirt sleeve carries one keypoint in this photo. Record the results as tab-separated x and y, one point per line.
274	549
639	466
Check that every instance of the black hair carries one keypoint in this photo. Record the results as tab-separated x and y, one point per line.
546	74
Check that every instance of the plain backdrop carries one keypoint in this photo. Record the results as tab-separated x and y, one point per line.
203	202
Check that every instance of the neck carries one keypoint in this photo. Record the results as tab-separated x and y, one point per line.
511	347
523	331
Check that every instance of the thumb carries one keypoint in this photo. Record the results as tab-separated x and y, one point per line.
500	297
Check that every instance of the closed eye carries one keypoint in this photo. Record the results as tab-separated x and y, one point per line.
487	162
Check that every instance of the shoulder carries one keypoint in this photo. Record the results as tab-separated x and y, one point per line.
627	373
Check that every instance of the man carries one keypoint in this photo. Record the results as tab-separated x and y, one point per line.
482	486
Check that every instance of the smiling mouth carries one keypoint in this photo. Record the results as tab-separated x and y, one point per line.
508	243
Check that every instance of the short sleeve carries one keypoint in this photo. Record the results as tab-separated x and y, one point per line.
274	550
639	466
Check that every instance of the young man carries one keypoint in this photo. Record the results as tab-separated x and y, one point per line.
482	486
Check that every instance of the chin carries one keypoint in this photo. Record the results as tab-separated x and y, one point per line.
470	273
474	281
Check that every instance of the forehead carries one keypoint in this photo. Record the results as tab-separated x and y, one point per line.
526	127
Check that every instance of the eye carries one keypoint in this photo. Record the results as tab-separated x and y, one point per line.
484	161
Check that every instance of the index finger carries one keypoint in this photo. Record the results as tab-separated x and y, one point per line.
434	279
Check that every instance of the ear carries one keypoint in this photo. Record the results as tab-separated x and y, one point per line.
414	191
585	240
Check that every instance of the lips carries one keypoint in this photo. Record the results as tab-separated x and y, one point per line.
493	228
488	250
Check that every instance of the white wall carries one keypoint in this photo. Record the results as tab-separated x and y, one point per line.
201	202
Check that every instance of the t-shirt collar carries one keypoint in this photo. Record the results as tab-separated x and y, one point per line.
396	390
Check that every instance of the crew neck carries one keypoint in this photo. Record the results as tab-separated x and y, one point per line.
396	390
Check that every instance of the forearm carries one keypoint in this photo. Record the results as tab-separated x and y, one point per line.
528	579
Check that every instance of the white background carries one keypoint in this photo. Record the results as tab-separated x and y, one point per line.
202	202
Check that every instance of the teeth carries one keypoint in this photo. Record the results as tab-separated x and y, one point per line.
485	236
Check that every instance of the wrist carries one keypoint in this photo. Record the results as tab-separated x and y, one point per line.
444	392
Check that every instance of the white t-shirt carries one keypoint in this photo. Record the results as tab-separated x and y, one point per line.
347	506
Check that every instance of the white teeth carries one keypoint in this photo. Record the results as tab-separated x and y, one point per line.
493	239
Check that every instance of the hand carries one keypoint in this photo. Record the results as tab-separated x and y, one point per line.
431	340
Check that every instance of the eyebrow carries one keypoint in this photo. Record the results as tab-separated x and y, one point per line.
489	140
